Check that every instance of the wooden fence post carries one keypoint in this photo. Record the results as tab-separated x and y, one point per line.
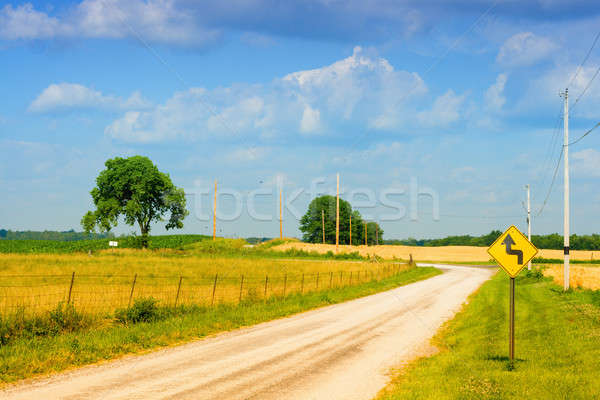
330	279
71	287
284	284
241	288
178	289
266	284
212	301
131	293
350	282
302	285
317	284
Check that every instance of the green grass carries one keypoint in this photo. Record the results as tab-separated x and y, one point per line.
557	347
239	247
56	246
32	355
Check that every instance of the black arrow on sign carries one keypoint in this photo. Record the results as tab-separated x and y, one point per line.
508	242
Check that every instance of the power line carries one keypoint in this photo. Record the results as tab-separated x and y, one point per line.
435	64
584	135
585	89
551	145
552	183
580	67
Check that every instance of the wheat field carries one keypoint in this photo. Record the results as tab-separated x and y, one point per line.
587	277
421	253
113	279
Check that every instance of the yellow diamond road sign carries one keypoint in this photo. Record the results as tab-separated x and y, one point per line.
512	250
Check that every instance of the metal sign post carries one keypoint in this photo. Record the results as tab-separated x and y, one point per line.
512	251
511	345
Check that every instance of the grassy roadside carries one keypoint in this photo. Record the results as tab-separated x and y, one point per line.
557	347
25	358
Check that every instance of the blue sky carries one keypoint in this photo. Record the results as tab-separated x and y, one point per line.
452	103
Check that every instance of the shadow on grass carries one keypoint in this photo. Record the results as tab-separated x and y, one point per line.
509	365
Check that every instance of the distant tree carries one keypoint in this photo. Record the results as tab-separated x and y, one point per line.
135	189
311	226
3	233
373	231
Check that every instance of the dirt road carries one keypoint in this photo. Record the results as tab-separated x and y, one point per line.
343	351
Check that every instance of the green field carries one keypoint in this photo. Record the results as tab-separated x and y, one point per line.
57	246
557	347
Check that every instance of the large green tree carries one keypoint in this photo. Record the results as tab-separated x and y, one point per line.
311	223
374	233
135	189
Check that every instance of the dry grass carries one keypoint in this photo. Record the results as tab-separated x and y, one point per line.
420	253
583	277
104	280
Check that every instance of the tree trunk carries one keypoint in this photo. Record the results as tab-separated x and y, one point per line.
144	238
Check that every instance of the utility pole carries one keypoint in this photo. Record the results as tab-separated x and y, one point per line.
366	234
566	191
351	229
323	224
528	220
280	217
337	215
215	213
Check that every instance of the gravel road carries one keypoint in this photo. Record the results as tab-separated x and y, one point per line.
343	351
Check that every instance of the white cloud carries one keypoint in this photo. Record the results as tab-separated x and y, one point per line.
23	22
494	95
247	154
525	49
61	96
445	110
157	21
313	102
311	120
587	162
543	92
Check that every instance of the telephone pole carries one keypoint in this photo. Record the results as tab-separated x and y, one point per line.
528	219
215	214
565	95
337	215
350	229
280	216
323	224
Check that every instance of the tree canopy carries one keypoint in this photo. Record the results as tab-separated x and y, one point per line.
135	189
312	228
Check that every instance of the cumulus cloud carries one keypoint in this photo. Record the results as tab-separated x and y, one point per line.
525	49
543	91
161	21
307	102
494	95
445	110
311	120
24	22
63	96
187	23
587	162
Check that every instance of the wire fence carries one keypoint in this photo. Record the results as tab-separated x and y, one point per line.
105	293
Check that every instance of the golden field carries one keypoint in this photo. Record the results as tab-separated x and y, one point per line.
420	253
579	276
104	280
